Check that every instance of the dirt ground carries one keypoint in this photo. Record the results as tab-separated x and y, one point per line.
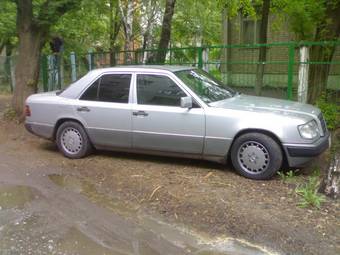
204	197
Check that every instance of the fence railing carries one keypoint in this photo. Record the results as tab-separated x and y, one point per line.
285	73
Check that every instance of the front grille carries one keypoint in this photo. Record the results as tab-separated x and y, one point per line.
323	123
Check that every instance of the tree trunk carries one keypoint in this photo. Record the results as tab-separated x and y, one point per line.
331	183
31	41
115	24
328	30
262	50
318	73
151	9
225	67
128	26
166	30
8	64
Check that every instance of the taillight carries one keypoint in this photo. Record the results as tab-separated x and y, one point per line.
27	111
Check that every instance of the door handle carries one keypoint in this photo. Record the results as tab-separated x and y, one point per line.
83	109
140	113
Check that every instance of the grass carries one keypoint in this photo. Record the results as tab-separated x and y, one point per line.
289	176
309	193
9	114
5	90
307	190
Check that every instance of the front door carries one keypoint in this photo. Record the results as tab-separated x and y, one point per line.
158	121
104	108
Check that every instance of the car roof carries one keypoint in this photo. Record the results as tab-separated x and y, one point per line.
170	68
77	87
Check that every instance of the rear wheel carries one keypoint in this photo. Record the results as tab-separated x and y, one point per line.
256	156
72	140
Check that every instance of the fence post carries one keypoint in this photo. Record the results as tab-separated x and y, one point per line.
44	72
58	68
205	59
290	71
73	66
303	74
89	59
200	57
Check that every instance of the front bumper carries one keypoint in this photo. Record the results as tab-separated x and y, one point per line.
300	154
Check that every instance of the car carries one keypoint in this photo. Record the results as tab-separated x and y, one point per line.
177	111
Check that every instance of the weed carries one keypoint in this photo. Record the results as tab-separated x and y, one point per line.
309	193
288	176
9	114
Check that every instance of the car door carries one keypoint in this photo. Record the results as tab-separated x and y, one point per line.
158	121
104	108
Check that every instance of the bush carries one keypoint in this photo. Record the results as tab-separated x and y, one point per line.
331	112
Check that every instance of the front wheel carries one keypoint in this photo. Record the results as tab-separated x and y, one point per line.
256	156
72	140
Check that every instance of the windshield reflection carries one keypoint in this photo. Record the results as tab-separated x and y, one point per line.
205	86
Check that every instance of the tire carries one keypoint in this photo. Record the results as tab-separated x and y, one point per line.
256	156
72	140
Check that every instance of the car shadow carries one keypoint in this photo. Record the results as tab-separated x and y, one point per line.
181	162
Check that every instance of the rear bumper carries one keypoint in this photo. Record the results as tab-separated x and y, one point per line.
41	130
300	154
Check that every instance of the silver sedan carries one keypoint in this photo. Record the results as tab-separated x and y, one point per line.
177	111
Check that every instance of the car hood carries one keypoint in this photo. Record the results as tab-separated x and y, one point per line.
266	104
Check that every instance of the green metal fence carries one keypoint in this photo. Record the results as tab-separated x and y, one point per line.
236	65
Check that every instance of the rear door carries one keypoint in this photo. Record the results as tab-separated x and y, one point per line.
158	121
105	109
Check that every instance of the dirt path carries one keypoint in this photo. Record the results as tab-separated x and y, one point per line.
207	200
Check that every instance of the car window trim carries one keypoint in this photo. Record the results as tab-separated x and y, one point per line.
166	75
99	77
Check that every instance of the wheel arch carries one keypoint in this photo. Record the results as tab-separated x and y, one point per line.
261	131
63	120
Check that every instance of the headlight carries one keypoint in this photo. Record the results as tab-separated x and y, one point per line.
309	130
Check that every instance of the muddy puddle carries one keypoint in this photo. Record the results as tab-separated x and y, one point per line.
15	196
147	228
87	189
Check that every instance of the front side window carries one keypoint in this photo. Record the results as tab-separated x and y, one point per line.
158	90
112	88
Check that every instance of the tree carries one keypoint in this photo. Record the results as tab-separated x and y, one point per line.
7	24
166	30
114	28
262	49
126	12
316	20
327	30
149	17
34	21
85	27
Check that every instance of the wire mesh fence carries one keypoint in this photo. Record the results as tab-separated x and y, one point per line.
287	69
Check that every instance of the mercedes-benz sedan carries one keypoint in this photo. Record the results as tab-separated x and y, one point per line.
177	111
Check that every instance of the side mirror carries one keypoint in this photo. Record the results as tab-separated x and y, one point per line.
186	102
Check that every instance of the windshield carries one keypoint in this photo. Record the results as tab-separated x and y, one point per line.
205	86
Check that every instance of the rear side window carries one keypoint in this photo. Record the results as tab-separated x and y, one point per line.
158	90
112	88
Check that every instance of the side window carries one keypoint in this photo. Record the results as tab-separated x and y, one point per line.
112	88
91	93
158	90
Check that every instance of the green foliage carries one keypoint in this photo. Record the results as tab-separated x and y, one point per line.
289	176
84	28
309	193
331	112
7	21
9	114
304	15
196	22
246	7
